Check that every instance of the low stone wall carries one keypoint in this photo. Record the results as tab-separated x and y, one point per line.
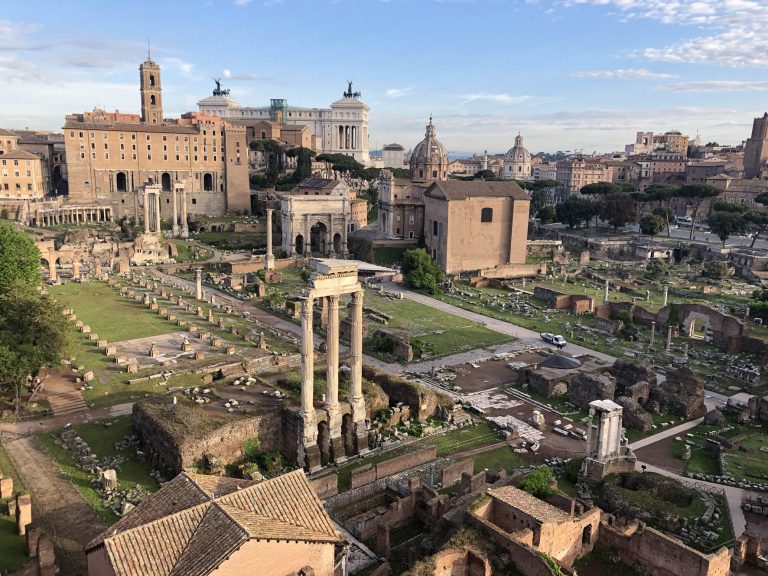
451	474
369	474
662	555
326	486
514	271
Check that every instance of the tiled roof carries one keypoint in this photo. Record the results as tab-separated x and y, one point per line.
460	189
4	132
195	522
132	127
19	155
528	504
316	183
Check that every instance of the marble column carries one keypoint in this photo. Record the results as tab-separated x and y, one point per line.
332	381
175	211
198	283
52	275
158	229
653	333
669	338
607	287
356	399
75	269
184	228
146	213
308	450
666	294
269	259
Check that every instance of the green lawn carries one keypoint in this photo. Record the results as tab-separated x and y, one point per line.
12	546
101	440
497	459
190	252
109	314
465	439
232	240
750	463
388	255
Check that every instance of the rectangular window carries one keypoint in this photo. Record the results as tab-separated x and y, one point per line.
434	227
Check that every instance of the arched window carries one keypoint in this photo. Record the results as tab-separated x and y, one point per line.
165	182
208	182
152	99
122	182
486	215
152	81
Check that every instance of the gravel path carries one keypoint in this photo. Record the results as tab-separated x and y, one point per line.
57	505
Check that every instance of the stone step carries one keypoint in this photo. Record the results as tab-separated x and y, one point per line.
67	403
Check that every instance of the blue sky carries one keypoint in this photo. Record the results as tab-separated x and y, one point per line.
568	74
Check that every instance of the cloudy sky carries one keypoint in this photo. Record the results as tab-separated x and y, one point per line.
568	74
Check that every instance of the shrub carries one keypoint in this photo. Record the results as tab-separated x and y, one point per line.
537	483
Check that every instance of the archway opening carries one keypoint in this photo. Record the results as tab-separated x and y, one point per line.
121	181
586	535
337	243
318	238
165	182
208	182
300	244
324	442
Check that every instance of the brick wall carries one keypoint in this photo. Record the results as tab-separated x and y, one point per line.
326	486
452	473
372	472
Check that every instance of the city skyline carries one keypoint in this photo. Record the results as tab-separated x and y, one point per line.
566	74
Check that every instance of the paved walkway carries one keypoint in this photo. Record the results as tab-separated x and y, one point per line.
491	323
666	433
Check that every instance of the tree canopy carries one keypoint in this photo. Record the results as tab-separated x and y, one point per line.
575	211
697	194
651	225
758	222
420	272
727	224
538	482
618	209
19	258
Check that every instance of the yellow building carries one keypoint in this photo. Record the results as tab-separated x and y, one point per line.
110	155
22	176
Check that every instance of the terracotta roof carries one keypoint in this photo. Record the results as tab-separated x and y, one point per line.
194	522
132	127
4	132
19	155
460	189
528	504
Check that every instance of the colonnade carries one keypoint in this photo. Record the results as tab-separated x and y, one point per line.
349	137
332	285
74	215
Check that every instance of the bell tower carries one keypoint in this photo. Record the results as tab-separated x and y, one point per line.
151	92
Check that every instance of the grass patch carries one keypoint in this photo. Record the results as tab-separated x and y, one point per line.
497	459
233	240
12	546
109	314
188	252
465	439
102	442
747	461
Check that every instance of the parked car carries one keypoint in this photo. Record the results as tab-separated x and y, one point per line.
554	339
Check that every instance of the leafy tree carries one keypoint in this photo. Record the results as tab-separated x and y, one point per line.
726	224
575	211
420	272
697	194
651	225
662	195
19	258
485	175
600	189
537	483
758	222
33	333
655	269
715	270
273	152
546	214
618	209
729	207
341	163
303	163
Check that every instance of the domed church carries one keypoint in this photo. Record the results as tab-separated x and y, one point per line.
429	160
517	162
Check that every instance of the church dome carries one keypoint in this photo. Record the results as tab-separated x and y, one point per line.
429	160
517	162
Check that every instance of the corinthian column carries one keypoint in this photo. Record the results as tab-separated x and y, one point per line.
307	360
175	211
269	259
356	338
146	213
332	360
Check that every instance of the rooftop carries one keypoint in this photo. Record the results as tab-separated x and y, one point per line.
461	190
19	155
195	522
528	504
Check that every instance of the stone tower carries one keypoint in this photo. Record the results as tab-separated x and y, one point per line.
756	148
151	92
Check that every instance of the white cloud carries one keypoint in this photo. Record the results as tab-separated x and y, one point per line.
184	68
397	92
499	98
718	86
630	73
737	30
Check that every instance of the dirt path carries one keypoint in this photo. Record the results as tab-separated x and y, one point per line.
56	505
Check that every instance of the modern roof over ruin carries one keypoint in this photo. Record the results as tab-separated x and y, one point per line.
195	522
528	504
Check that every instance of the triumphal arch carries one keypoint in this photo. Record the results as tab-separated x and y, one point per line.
336	429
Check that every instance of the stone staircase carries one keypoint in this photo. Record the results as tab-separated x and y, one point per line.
67	402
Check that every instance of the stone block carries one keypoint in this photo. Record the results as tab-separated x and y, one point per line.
132	368
216	342
88	376
12	507
33	535
119	359
230	350
23	512
191	328
154	307
171	317
207	379
93	336
46	557
181	322
101	344
111	351
6	487
79	324
204	335
199	355
162	311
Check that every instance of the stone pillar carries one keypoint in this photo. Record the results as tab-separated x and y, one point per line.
175	211
158	229
356	399
332	379
669	338
23	512
46	557
147	229
307	236
33	535
269	259
183	215
666	294
52	266
382	540
607	287
309	452
75	269
199	283
653	333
